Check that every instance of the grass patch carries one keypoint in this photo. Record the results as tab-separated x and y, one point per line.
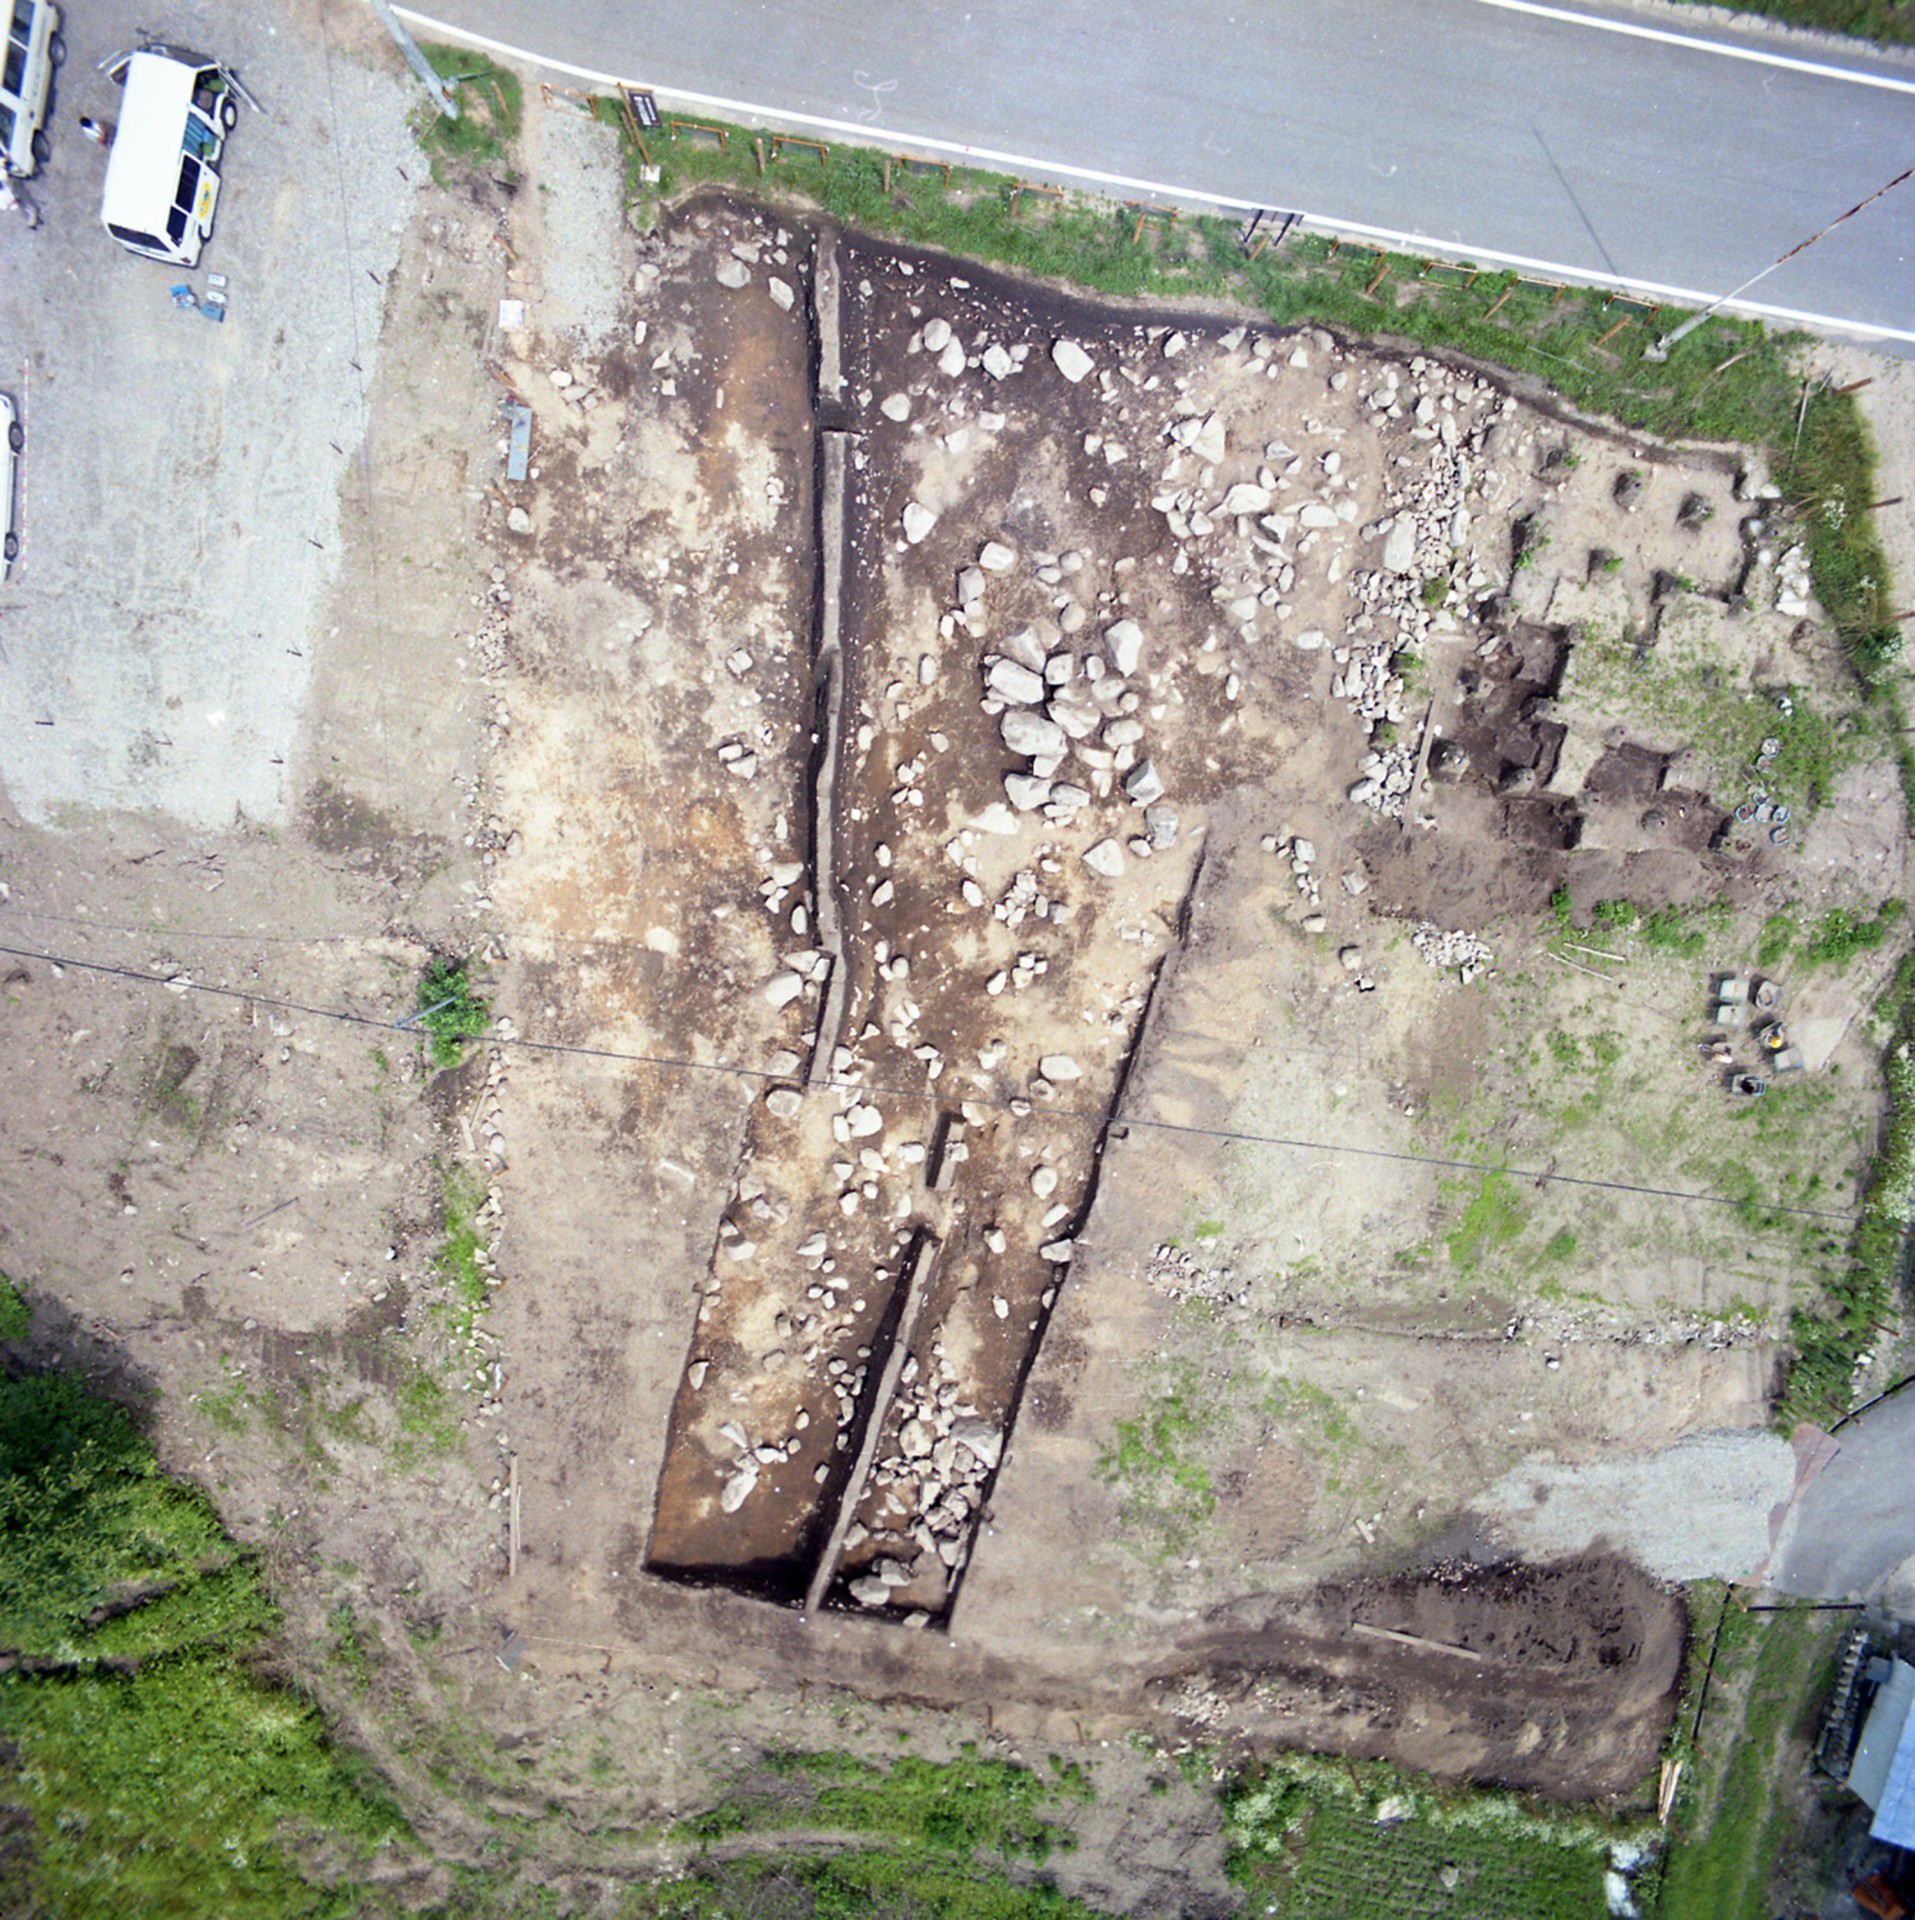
491	105
1305	1843
16	1318
1856	1298
449	1011
1891	21
428	1422
1167	1492
154	1770
1493	1218
1733	1817
1841	934
461	1195
969	1805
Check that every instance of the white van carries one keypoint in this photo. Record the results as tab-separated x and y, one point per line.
34	49
162	177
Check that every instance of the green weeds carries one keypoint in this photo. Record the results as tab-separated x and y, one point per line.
1842	934
449	1011
16	1318
1167	1492
491	105
155	1772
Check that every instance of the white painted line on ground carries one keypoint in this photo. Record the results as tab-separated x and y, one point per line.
1819	69
1026	165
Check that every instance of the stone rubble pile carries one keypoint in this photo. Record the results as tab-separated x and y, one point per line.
1463	951
1182	1276
926	1486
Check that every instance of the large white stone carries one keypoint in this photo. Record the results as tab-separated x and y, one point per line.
1031	734
1014	683
1071	360
1106	858
918	521
1125	644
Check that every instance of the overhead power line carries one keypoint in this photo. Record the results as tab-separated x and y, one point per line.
1090	1116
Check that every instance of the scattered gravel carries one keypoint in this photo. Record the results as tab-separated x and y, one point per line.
578	159
1697	1510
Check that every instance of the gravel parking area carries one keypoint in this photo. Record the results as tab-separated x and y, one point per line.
181	482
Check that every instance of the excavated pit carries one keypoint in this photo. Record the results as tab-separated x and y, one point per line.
1082	575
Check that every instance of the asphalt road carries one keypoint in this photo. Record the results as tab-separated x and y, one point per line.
1663	155
1854	1525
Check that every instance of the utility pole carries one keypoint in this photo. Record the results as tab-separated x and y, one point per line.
1660	351
442	95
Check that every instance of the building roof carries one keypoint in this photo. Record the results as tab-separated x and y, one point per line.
1883	1770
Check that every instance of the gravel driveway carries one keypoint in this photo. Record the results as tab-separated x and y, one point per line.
181	481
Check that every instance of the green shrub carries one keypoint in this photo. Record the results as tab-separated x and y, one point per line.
16	1318
449	1011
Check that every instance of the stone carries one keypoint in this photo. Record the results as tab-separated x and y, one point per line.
1160	826
1399	545
997	818
918	521
1025	793
784	989
984	1443
1026	649
916	1439
1067	798
1310	640
996	362
732	272
864	1122
970	586
1017	685
1059	1251
1174	344
1304	850
784	1103
781	292
1106	858
1315	923
869	1591
895	406
937	335
696	1373
951	360
1031	734
1316	515
1243	498
517	520
1070	360
1143	784
1060	1066
738	1489
996	557
1124	642
1043	1181
1207	442
1352	958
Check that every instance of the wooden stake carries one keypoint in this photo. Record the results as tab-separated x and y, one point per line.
1500	298
887	176
512	1537
1613	331
758	147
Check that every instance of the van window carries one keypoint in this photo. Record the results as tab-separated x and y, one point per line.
23	17
16	70
6	128
188	186
133	237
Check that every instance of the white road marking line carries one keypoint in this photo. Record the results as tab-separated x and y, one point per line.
1027	166
1821	71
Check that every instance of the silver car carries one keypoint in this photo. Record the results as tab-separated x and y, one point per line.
9	473
34	48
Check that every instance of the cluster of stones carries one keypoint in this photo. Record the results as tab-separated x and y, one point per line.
1424	530
1182	1276
1072	712
1463	951
1302	855
928	1484
735	269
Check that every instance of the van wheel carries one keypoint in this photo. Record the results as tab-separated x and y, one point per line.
56	50
42	148
12	547
16	435
229	113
